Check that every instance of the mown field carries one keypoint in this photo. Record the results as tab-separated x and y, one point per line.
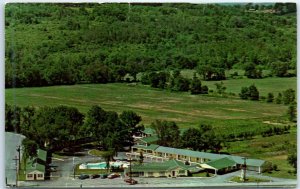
226	115
185	109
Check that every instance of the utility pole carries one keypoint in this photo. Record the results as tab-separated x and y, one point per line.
19	155
16	162
244	167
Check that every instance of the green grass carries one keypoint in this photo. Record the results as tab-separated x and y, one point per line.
249	179
202	174
21	173
266	85
96	152
185	109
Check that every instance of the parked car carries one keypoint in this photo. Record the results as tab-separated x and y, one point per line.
130	181
83	176
95	176
103	176
113	175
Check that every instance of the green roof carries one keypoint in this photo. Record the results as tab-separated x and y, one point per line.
42	154
150	147
190	153
160	166
210	156
149	131
37	163
149	139
222	163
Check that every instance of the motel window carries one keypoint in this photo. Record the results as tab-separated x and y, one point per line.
141	174
29	175
150	174
40	175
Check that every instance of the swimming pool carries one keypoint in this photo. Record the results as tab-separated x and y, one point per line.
101	165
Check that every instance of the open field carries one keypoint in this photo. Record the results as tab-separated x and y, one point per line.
264	86
185	109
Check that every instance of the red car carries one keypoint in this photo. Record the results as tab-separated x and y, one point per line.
113	175
131	181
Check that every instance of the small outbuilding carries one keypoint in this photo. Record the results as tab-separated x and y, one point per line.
35	167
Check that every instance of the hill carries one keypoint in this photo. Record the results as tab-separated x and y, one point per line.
58	44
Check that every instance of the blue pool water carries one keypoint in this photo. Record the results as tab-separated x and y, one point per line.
101	165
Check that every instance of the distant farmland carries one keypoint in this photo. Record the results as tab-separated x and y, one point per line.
185	109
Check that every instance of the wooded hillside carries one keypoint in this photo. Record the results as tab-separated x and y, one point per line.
54	44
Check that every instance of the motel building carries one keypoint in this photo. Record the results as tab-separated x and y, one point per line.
214	163
170	168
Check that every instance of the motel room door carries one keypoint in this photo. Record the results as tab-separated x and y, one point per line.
173	173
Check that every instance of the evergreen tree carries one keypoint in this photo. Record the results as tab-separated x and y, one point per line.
270	97
288	96
278	99
292	112
244	93
196	87
253	93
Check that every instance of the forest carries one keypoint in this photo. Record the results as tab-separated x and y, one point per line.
65	44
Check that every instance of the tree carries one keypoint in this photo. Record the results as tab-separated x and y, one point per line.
270	97
280	69
30	148
292	112
288	96
292	160
220	88
253	93
196	87
204	89
278	99
131	121
181	84
191	138
252	72
167	132
56	127
107	156
244	93
98	73
26	119
12	118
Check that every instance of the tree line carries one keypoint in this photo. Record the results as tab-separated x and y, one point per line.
64	44
174	82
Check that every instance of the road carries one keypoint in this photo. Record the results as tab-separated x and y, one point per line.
12	140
